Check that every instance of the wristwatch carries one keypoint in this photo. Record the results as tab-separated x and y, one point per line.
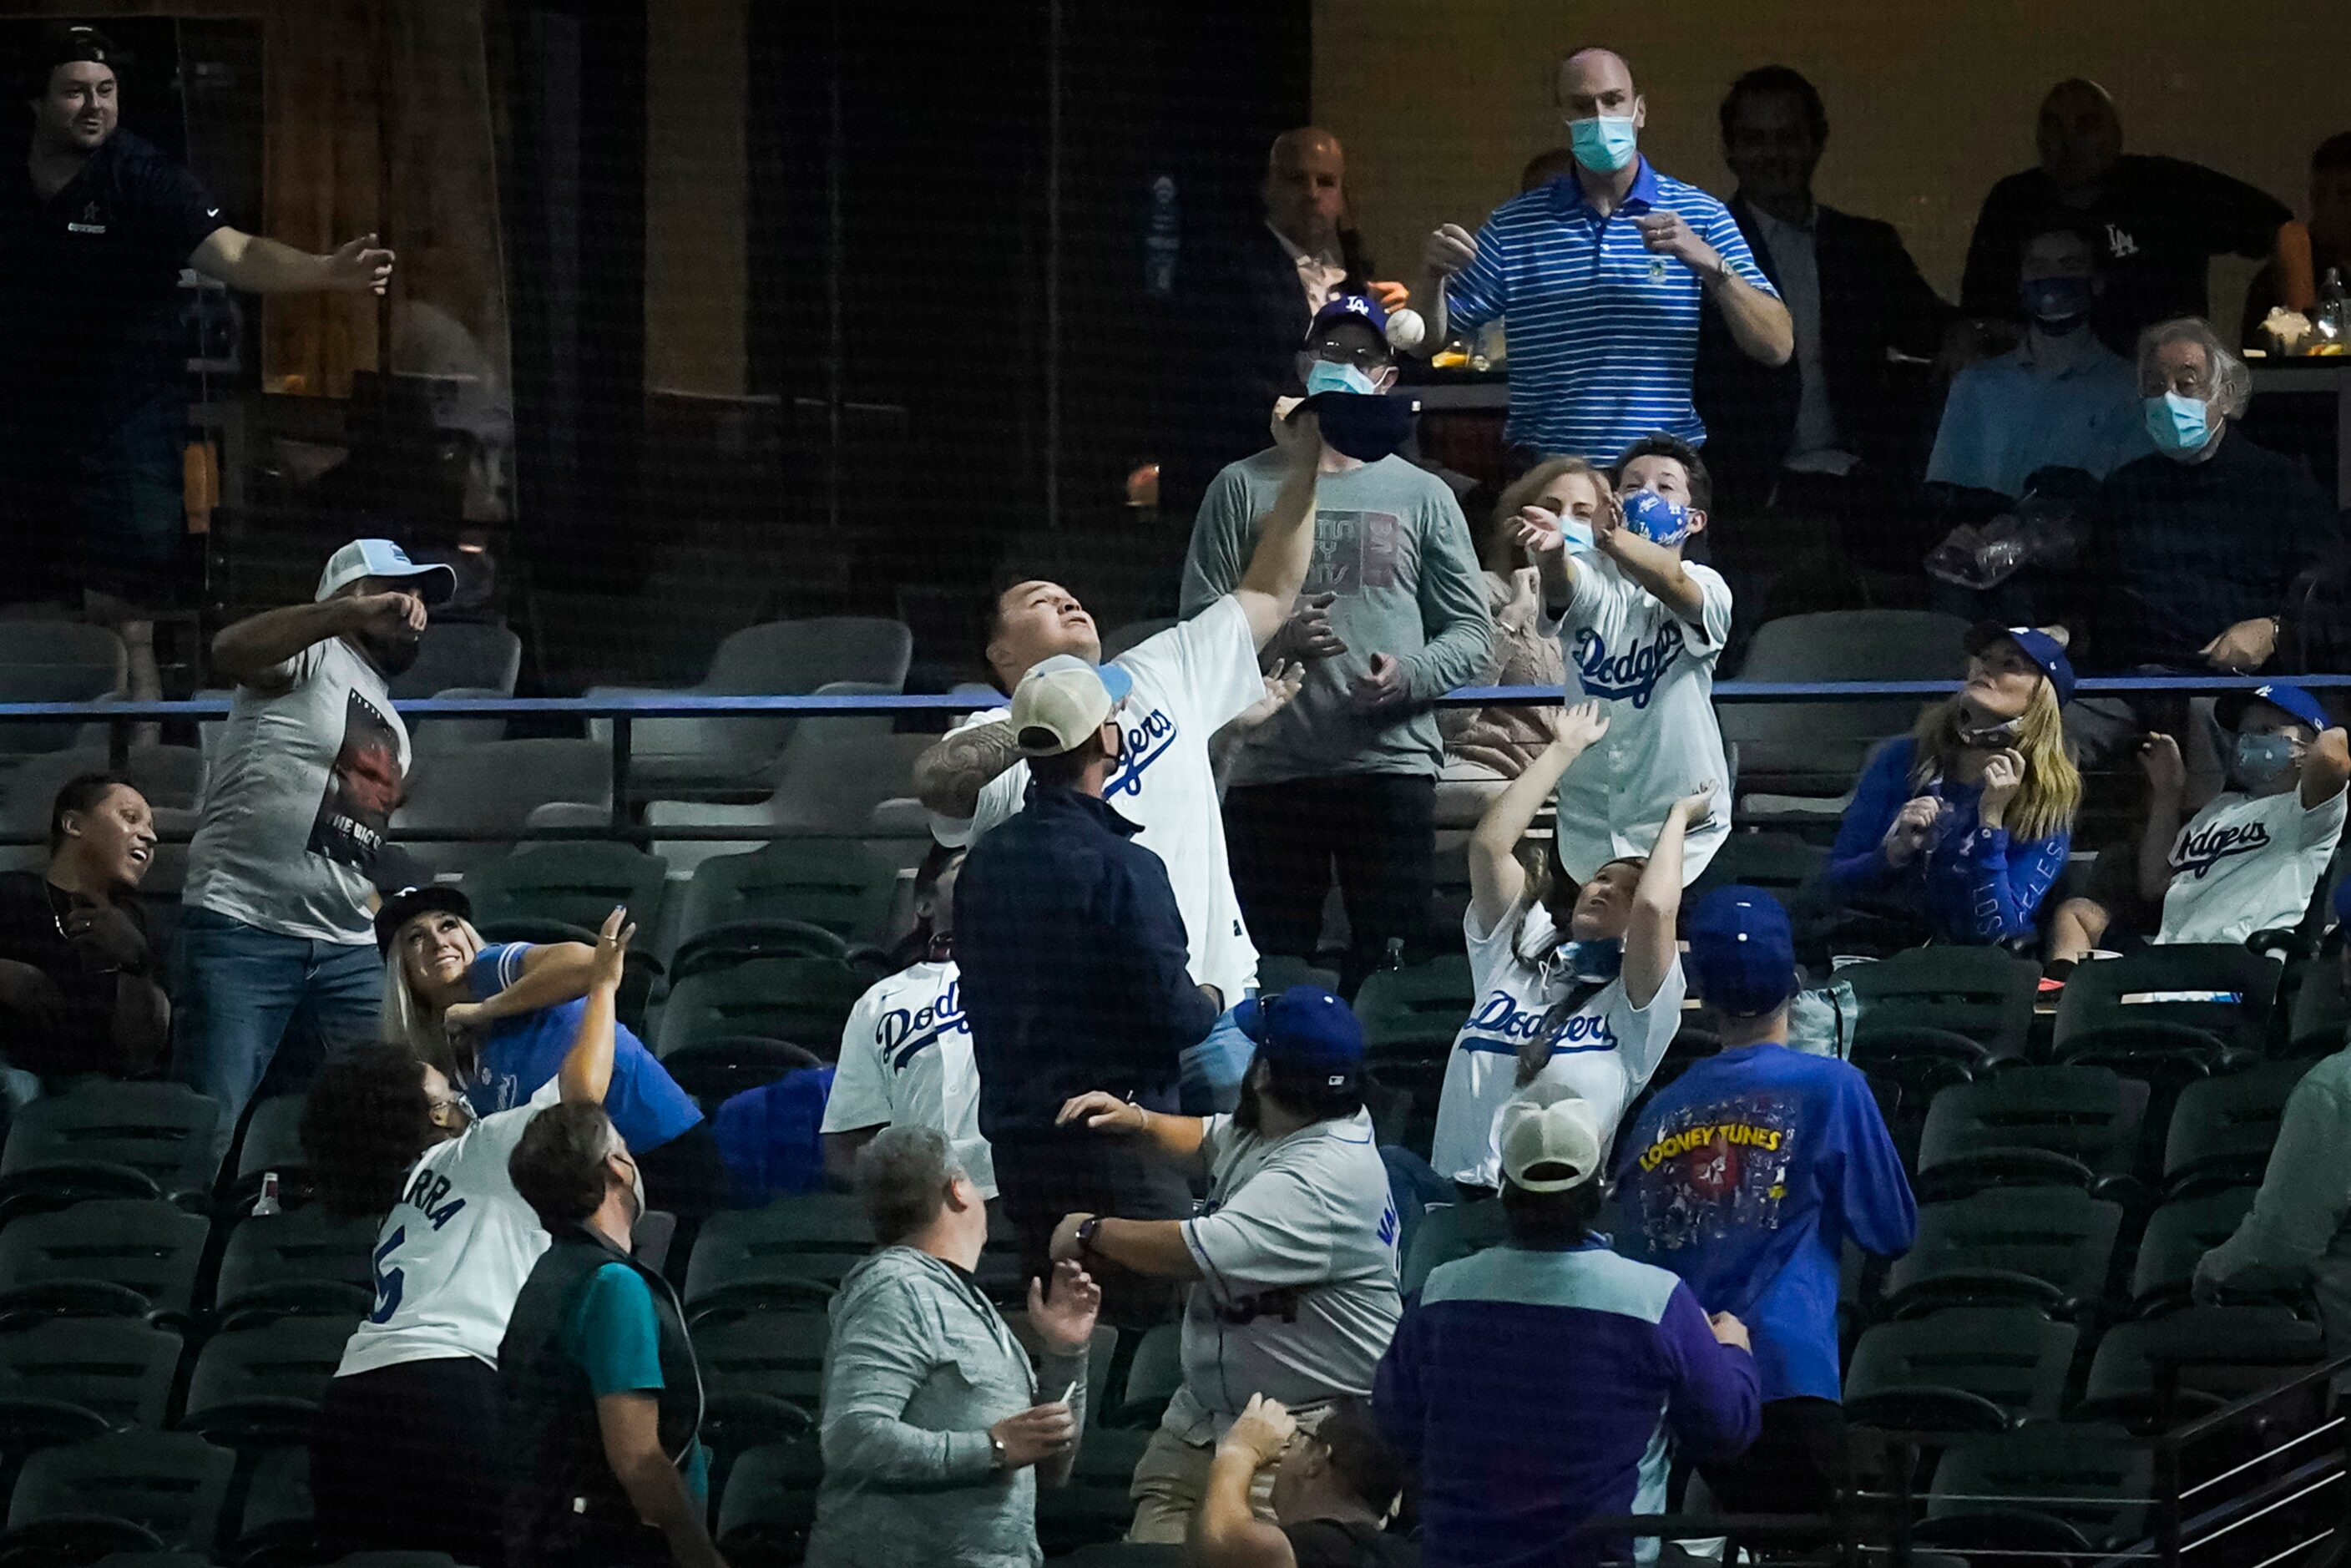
996	1451
1086	1229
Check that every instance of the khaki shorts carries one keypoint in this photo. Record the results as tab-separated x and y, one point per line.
1172	1478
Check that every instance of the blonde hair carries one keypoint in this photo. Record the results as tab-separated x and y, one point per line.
409	1020
1523	492
2051	790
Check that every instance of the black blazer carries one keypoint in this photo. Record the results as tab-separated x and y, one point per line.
1873	299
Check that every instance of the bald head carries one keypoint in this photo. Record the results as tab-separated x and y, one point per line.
1594	82
2080	134
1306	188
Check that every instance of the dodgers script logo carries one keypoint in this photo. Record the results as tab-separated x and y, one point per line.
1147	741
904	1034
2199	853
1634	673
1500	1025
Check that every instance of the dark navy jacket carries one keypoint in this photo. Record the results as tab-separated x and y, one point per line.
1074	964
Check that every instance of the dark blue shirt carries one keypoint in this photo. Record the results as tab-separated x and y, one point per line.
1745	1176
523	1052
1074	964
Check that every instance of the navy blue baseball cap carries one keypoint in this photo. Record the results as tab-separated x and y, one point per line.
2230	706
1350	307
2044	651
1308	1030
1742	954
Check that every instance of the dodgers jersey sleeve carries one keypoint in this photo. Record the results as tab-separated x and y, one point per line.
1275	1230
496	968
861	1086
1208	663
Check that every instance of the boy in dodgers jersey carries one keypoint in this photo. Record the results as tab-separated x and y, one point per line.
413	1412
1642	631
2250	860
1189	682
905	1053
1586	997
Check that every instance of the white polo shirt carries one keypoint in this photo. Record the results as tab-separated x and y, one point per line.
1604	1052
905	1060
1190	681
2247	864
1654	675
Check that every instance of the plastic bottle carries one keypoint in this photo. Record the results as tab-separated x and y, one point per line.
1163	237
267	1204
2333	317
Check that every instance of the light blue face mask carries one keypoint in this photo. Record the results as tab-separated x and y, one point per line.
1327	377
1576	532
2178	423
2260	759
1604	144
1595	963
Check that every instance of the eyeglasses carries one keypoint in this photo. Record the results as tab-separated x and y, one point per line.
1365	359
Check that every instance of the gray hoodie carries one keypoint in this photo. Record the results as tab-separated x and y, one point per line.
920	1366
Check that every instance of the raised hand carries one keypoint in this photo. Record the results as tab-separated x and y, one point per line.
1064	1316
2167	774
1910	829
1261	1430
2003	775
612	949
1538	531
1579	725
1449	248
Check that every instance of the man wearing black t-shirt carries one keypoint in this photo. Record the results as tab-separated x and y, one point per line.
95	227
2162	220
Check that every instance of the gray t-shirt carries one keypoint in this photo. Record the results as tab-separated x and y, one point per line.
1390	543
1297	1298
303	786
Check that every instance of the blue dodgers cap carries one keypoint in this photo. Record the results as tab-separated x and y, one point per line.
2230	707
1306	1028
1350	307
2044	651
381	558
1742	953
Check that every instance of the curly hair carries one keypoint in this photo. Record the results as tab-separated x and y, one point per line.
363	1125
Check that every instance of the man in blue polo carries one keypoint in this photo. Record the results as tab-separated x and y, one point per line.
1601	277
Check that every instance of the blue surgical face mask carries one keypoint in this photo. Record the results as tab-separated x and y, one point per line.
2260	758
2059	303
1656	519
1325	377
1595	963
2178	423
1575	532
1605	144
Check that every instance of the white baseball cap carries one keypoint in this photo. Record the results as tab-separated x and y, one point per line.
1061	701
1549	1139
381	558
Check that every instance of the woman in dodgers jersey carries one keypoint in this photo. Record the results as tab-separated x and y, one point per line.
905	1053
405	1454
1577	986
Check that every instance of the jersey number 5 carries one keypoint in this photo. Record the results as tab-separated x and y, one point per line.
387	1281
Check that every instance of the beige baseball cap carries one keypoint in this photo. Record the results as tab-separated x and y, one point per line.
1549	1139
1061	701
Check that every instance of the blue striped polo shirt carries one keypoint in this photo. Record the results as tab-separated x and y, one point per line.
1602	332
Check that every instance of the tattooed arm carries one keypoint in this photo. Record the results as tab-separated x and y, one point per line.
949	776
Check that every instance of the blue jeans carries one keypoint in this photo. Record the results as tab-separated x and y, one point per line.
237	988
1211	1071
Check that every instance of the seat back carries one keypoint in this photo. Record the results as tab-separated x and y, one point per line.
2187	983
2223	1128
174	1483
781	658
828	782
302	1260
57	661
1984	993
777	1354
272	1141
119	1369
2089	1114
1829	741
1153	1375
2220	1353
162	1131
794	1247
264	1383
2177	1238
2011	1357
1448	1233
2321	1014
769	1503
125	1255
2051	1246
843	887
2096	1477
493	789
577	884
1781	864
799	1000
1422	1005
456	654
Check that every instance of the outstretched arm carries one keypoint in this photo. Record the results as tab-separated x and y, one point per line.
2326	769
1649	937
1496	877
260	266
1285	542
949	776
587	1069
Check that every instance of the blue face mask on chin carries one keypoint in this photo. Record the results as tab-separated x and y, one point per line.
2178	423
1654	518
1604	144
1594	963
2260	760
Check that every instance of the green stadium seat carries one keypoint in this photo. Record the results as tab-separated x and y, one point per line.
110	1140
805	1001
2220	1353
71	1379
577	884
2177	1235
783	1255
2223	1128
2032	1125
129	1257
1964	1369
769	1503
301	1262
838	885
147	1490
260	1386
2096	1017
2076	1490
2047	1246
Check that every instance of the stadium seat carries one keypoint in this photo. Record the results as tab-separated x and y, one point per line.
1277	972
126	1256
1964	1369
716	1069
276	1521
1153	1375
805	1001
1447	1233
2068	1489
1419	1007
1984	993
304	1261
71	1379
1817	747
575	884
769	1503
258	1386
272	1142
2222	1128
57	661
151	1491
1781	864
432	736
492	789
2177	1235
129	1140
2049	1247
762	1373
2095	1015
2316	1024
1096	1505
2220	1353
679	759
782	1256
2030	1126
838	885
826	783
461	654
